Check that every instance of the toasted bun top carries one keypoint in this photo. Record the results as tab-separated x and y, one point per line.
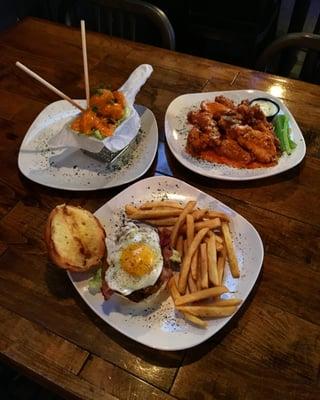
75	238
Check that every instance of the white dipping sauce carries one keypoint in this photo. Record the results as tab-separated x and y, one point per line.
267	107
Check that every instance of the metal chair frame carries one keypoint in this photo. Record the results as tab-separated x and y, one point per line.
301	41
135	8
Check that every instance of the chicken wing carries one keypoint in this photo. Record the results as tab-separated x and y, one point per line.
261	144
232	150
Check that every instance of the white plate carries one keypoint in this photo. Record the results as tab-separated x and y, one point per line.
72	169
177	127
158	325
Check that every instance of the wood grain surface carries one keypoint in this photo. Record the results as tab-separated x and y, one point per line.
271	350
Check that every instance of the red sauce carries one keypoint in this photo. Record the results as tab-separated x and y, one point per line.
212	156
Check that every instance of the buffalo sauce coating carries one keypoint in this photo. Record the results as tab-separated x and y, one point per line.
236	135
106	109
212	156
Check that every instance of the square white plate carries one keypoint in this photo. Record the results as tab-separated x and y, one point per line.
71	169
158	325
177	128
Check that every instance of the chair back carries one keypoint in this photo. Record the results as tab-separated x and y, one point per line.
308	42
130	19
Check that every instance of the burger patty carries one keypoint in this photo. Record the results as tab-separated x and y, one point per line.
165	275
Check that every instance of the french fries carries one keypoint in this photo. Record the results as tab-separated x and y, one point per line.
185	266
233	262
165	203
190	229
202	238
201	295
212	261
155	213
194	265
226	302
195	320
209	223
188	208
208	311
204	266
192	284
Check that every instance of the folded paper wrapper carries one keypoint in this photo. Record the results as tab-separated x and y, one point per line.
124	133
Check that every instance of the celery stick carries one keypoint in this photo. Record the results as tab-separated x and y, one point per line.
293	144
281	127
286	135
278	127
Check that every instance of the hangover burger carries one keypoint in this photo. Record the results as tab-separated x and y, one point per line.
139	259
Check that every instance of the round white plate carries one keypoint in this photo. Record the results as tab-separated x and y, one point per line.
177	128
72	169
157	325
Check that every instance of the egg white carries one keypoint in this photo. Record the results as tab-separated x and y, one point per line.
117	278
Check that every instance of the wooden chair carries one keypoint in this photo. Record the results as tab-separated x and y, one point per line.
130	19
303	41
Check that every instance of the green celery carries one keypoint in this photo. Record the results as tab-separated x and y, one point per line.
282	129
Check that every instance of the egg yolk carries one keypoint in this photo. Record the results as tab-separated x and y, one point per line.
137	259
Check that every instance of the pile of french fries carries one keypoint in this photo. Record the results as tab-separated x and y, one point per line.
202	238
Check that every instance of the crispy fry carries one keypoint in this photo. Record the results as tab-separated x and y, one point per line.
160	203
212	261
173	289
209	223
201	295
199	287
185	247
203	239
192	284
219	246
190	229
204	266
162	221
195	320
233	262
217	214
199	214
194	265
226	302
130	209
150	214
221	264
208	311
185	266
180	245
175	295
175	231
163	208
218	238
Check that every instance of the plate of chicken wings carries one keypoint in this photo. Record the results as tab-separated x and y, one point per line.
227	135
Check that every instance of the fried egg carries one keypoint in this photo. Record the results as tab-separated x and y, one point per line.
135	259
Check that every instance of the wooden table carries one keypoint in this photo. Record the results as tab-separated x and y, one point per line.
270	352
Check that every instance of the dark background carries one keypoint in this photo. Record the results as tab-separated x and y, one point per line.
232	31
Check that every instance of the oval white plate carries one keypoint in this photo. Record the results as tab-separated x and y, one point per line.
72	169
158	325
177	127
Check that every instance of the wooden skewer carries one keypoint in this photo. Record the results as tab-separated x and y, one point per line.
48	85
85	61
